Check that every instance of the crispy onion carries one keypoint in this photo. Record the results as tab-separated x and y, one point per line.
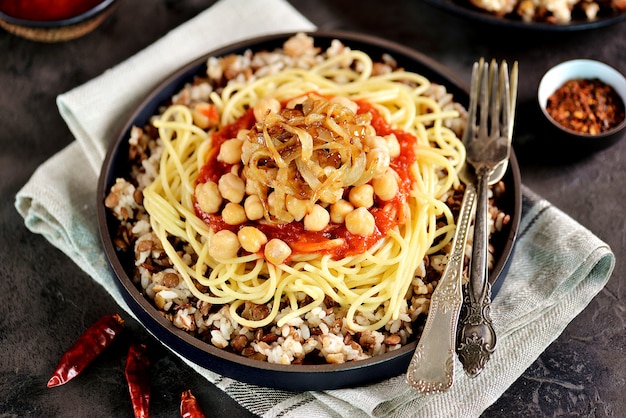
312	149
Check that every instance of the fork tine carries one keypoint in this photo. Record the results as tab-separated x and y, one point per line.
473	103
513	98
484	100
495	101
504	103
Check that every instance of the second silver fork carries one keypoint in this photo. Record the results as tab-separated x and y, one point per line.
431	369
486	152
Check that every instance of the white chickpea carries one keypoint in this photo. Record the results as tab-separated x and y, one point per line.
230	151
223	245
317	219
296	207
234	214
208	197
375	141
251	238
378	160
360	222
331	196
231	187
386	186
242	134
253	187
344	101
275	205
362	196
253	207
392	145
204	115
247	149
339	210
264	107
276	251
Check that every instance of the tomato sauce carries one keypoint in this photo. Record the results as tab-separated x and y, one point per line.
335	239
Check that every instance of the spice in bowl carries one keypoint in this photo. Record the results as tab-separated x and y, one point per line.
587	106
583	104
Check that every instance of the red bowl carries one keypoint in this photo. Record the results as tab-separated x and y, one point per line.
62	22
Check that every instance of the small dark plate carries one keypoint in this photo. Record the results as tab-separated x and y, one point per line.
288	377
464	9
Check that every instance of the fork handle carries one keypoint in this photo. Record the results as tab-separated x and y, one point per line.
432	367
476	335
479	279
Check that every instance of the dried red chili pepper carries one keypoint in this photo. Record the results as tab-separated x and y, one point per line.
138	378
86	348
189	407
588	106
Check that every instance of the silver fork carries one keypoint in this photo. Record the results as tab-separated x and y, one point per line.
431	369
486	151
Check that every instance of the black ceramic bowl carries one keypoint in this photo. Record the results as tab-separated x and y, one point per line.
580	69
288	377
63	29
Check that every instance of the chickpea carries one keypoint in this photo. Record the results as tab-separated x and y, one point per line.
317	219
242	134
275	204
385	186
360	222
339	210
234	214
362	196
296	207
208	197
251	238
375	141
201	115
264	107
253	207
258	187
276	251
231	187
344	101
230	151
392	145
378	159
224	245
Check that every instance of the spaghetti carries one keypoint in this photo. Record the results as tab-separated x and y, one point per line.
297	144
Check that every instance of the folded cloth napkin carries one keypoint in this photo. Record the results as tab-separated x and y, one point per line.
558	266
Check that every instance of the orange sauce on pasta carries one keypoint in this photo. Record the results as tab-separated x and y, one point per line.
387	215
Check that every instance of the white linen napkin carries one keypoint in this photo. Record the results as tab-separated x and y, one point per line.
558	265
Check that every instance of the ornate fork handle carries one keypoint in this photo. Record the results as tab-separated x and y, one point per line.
490	148
476	335
432	367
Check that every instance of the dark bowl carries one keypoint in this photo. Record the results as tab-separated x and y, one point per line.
288	377
569	140
64	29
464	9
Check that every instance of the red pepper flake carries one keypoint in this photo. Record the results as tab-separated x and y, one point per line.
588	106
86	348
138	378
189	407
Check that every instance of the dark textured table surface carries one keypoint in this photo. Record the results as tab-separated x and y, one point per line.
49	300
